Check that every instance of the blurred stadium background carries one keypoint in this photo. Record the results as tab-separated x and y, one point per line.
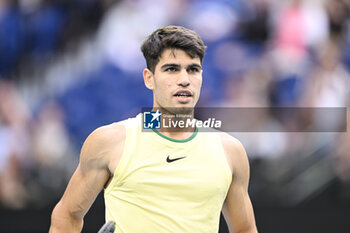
69	66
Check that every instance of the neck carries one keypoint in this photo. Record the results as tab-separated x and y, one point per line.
177	135
174	122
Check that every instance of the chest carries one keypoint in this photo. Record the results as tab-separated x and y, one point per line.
178	173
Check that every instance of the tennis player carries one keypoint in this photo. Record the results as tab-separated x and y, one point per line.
174	181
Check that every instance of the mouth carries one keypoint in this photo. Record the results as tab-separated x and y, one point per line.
183	96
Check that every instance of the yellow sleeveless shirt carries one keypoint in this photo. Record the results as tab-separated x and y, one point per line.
166	185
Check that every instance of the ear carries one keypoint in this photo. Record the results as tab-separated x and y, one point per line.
148	78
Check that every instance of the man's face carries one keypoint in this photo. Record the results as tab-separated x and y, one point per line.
176	81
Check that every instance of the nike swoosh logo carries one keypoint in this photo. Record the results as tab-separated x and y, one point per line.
169	160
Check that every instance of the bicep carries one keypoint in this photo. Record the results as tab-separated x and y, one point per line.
82	190
90	177
238	210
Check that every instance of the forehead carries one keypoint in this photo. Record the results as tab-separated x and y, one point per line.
177	56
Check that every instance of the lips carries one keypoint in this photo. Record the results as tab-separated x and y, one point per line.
183	93
183	96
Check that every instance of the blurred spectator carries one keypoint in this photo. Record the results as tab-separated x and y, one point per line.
255	26
120	41
300	26
55	158
14	147
83	17
251	88
329	81
290	32
338	14
212	20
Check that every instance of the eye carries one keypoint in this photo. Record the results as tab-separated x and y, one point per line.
193	70
170	69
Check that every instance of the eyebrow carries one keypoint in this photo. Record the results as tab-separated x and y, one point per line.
178	66
195	65
170	65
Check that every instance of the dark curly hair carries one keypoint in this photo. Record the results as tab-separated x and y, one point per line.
171	37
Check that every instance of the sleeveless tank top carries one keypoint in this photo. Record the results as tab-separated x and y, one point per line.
167	185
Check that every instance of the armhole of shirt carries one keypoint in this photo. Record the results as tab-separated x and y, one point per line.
130	130
223	158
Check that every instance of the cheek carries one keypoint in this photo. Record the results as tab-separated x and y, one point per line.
168	83
198	86
163	83
162	89
198	82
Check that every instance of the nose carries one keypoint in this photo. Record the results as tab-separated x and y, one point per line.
183	79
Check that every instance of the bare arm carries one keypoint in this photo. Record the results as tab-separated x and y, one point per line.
238	210
91	175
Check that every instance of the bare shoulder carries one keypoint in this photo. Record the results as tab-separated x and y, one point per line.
235	152
231	143
101	144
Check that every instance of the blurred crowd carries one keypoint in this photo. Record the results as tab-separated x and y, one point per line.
34	31
67	67
36	158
